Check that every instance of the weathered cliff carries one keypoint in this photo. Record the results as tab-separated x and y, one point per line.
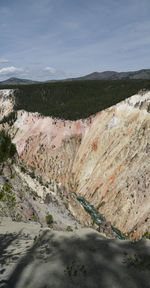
6	102
104	158
114	164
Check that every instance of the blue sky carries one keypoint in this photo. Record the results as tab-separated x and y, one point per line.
55	39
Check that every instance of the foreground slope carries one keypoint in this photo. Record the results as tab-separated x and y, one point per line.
33	257
104	158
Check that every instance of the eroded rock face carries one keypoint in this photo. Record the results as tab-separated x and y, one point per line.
104	158
6	102
114	164
49	145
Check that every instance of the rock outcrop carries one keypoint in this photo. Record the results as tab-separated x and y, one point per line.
6	102
104	158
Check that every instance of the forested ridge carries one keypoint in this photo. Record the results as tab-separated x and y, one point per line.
75	99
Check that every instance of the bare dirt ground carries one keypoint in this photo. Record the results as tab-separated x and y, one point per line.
31	257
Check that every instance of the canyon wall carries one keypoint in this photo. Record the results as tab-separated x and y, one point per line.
114	161
105	158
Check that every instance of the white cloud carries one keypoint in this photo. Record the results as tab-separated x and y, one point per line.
3	60
50	69
9	70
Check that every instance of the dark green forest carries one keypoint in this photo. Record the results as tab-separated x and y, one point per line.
75	99
7	148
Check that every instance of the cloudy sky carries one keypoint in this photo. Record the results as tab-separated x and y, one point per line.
55	39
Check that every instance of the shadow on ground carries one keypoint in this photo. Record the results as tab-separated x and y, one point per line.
7	255
82	260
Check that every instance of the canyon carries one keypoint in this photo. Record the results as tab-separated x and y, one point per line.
103	158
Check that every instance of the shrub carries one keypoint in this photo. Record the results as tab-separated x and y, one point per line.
66	205
146	235
32	174
10	118
7	187
49	219
23	169
12	150
40	180
35	218
18	217
12	176
69	229
2	194
6	195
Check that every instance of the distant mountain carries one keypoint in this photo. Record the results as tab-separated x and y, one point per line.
110	75
106	75
17	81
113	75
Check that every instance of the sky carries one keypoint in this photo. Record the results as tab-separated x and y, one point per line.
56	39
